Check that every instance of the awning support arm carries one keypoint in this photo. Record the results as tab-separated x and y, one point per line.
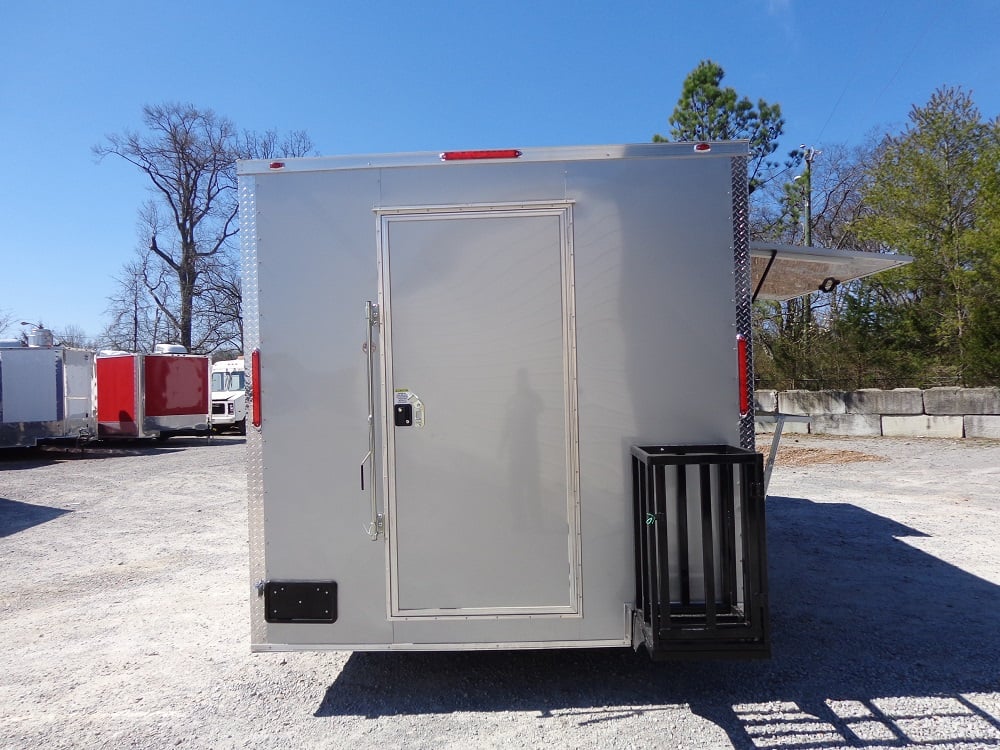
763	276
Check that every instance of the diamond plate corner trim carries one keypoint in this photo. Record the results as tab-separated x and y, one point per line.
254	446
744	306
248	246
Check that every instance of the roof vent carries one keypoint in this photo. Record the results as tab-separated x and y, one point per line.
169	349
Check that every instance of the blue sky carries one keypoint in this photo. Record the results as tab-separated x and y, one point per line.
390	76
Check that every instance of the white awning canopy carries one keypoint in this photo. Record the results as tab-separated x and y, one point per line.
789	271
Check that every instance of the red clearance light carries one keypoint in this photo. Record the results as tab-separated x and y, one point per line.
255	387
744	374
500	153
277	165
702	148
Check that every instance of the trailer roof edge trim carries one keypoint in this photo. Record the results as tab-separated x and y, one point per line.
783	272
725	149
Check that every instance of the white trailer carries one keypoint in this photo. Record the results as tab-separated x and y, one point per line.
46	392
229	403
530	416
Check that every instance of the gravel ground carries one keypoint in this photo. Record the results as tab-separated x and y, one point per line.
124	600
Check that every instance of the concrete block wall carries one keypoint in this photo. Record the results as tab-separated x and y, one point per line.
901	412
982	426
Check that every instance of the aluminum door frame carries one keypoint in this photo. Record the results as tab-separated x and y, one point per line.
562	210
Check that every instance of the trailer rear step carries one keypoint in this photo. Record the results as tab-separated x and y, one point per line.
700	552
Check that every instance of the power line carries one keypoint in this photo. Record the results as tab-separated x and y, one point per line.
902	63
850	82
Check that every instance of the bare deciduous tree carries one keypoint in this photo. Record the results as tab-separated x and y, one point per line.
188	272
137	322
6	318
74	336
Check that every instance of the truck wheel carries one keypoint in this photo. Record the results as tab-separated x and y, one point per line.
241	426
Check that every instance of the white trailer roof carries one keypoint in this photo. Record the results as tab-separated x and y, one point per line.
700	150
788	271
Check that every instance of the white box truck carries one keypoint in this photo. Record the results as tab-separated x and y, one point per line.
528	401
229	403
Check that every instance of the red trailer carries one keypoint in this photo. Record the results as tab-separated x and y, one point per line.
153	395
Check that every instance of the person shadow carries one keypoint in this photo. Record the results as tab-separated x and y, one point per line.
519	449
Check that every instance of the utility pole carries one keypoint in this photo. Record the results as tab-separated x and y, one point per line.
810	157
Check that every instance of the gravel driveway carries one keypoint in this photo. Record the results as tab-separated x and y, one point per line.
124	622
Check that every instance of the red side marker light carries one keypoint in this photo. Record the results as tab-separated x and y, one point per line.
702	148
255	387
500	153
277	165
744	374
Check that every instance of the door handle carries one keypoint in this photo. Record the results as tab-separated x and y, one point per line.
377	526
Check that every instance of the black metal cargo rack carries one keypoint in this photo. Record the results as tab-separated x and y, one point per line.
700	552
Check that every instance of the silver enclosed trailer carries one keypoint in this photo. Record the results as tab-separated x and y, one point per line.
46	392
522	417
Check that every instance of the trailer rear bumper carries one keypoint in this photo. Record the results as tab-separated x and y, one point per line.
459	646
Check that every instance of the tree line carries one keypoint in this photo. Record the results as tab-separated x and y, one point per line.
930	191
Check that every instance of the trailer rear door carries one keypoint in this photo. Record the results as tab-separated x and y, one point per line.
479	388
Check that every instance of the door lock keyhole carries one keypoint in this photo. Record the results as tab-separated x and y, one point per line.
404	415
